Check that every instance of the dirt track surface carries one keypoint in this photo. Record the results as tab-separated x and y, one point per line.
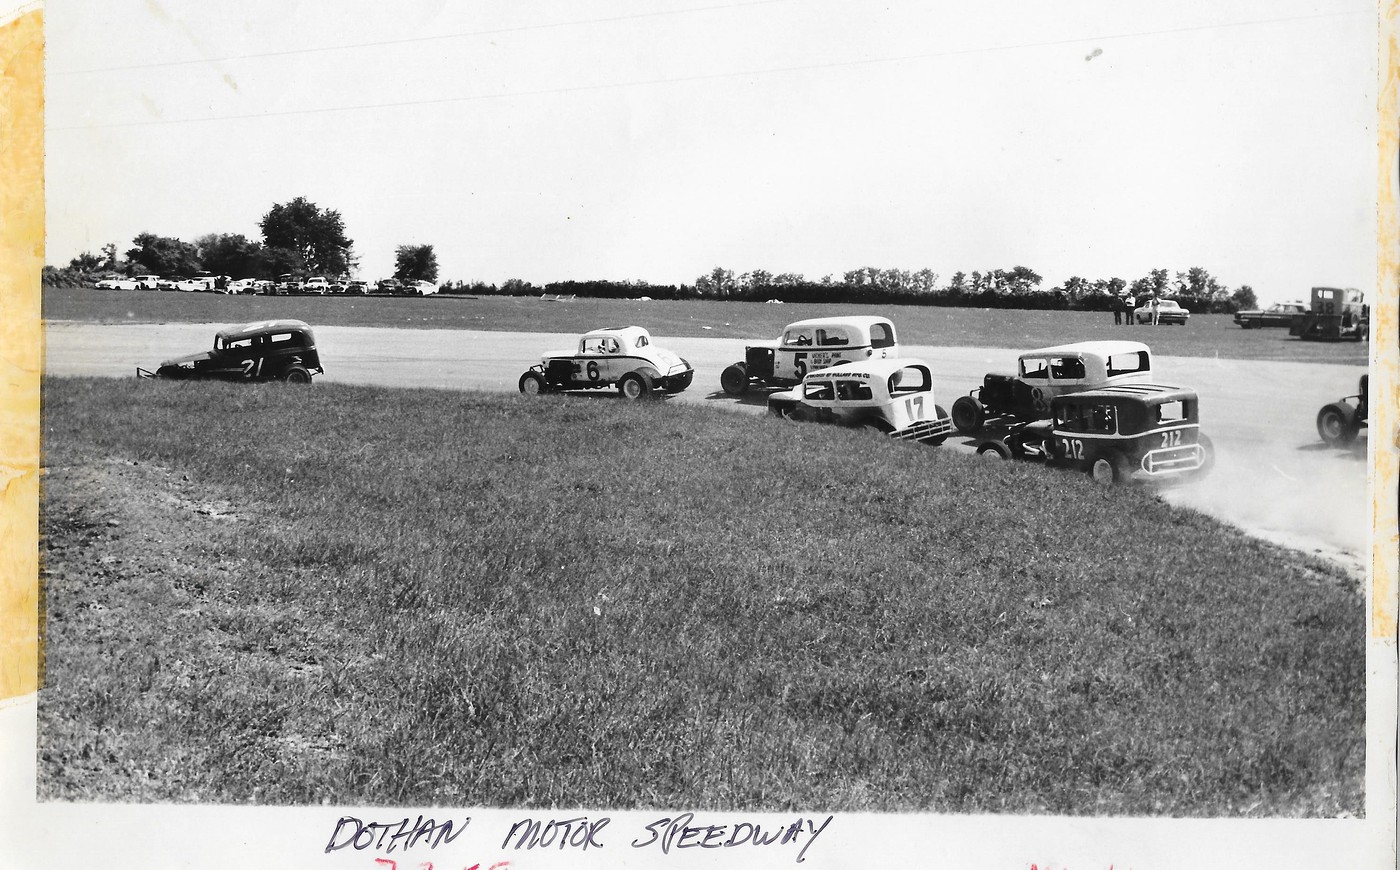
1273	477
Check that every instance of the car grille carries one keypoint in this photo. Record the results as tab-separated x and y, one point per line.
1174	460
924	430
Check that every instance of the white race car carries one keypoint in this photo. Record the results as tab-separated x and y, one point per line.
621	356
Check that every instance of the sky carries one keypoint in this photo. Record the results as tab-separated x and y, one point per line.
655	140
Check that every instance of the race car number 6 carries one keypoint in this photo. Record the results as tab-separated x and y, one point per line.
592	370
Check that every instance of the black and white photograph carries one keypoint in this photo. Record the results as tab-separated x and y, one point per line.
716	434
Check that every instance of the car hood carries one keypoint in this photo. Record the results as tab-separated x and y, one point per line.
188	358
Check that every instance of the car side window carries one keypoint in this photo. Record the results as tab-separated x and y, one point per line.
1103	418
852	391
1035	368
1127	363
834	336
818	391
1067	369
798	338
642	341
881	335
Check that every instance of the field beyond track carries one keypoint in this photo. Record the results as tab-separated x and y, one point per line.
1212	335
411	597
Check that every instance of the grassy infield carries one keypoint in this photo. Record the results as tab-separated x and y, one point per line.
436	598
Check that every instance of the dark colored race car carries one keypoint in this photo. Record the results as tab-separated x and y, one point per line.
1339	423
1280	314
1121	434
270	350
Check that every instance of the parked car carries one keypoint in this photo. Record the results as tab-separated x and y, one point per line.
420	288
1120	434
892	396
621	356
152	282
808	345
271	350
1168	311
243	285
116	284
356	288
1043	374
1339	423
1278	314
316	286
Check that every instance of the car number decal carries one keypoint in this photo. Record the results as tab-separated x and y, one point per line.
593	370
1171	438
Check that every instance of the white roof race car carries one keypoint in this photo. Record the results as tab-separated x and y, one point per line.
893	396
620	356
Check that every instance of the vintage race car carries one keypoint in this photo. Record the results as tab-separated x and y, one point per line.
809	345
1120	434
1339	423
271	350
621	356
893	396
1279	314
1049	372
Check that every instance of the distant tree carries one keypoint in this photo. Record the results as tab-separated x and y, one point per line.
1154	282
161	255
719	283
1243	298
516	287
1019	280
1076	287
109	256
958	283
231	254
316	237
86	262
415	263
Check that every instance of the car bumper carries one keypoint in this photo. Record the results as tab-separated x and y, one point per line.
925	430
1171	462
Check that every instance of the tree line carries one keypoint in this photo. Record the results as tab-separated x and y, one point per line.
299	239
1019	287
302	239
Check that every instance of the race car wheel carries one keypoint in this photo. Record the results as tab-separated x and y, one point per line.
1111	469
735	379
533	383
1336	424
634	386
994	450
297	375
968	415
1207	456
938	414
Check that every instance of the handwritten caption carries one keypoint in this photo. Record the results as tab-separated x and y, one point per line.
665	835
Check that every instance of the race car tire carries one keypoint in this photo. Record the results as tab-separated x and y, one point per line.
533	383
968	415
634	386
1207	456
1110	469
297	375
735	379
939	414
994	450
1336	424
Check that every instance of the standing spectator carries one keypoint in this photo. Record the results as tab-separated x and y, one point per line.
1156	296
1129	307
1117	310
